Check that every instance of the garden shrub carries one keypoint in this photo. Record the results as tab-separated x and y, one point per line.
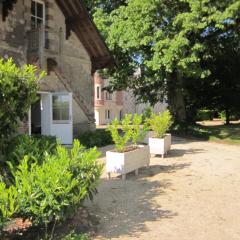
233	117
50	192
35	147
131	131
136	132
74	236
160	123
8	203
121	139
98	138
18	90
204	115
147	113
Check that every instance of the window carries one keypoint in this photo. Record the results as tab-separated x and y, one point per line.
120	115
107	114
37	14
108	96
98	92
60	106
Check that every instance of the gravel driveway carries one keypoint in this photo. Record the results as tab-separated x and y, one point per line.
192	194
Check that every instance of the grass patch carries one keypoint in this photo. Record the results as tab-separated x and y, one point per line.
224	134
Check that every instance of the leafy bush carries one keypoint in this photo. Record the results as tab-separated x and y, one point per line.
131	131
50	192
119	139
160	123
136	132
18	90
35	147
233	117
98	138
148	112
204	114
8	203
74	236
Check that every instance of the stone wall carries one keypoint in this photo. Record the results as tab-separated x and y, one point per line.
73	62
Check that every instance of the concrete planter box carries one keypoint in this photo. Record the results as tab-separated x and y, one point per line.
149	134
124	163
160	145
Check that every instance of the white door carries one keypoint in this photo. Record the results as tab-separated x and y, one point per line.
62	126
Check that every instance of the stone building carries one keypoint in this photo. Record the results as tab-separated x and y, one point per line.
107	106
59	37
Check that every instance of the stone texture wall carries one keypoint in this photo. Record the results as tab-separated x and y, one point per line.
73	62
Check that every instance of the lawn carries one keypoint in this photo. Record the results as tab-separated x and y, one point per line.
218	133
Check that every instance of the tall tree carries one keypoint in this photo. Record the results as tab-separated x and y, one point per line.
168	40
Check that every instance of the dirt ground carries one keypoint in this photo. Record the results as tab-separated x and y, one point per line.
191	194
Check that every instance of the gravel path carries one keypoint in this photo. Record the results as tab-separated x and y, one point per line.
192	194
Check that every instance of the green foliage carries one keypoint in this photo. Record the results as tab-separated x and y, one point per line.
35	147
131	131
74	236
137	132
160	123
148	112
53	190
8	203
98	138
119	139
172	42
18	90
205	114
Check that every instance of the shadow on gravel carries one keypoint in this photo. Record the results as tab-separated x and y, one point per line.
124	207
181	152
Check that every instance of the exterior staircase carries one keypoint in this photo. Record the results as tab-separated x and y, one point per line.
76	96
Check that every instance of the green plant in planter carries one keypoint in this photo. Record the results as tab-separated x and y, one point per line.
160	123
147	113
121	139
137	132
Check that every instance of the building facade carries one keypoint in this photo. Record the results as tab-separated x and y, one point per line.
107	106
59	37
131	105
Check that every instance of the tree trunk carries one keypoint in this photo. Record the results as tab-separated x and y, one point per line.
176	98
227	116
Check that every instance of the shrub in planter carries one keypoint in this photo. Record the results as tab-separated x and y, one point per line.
50	192
160	143
125	159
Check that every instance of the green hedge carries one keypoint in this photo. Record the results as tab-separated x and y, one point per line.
49	185
98	138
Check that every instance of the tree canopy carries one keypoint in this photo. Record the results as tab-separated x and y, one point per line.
170	41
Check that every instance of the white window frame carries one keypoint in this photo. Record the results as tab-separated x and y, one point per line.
69	108
107	114
44	11
98	92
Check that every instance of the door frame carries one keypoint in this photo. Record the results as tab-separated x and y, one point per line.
51	123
